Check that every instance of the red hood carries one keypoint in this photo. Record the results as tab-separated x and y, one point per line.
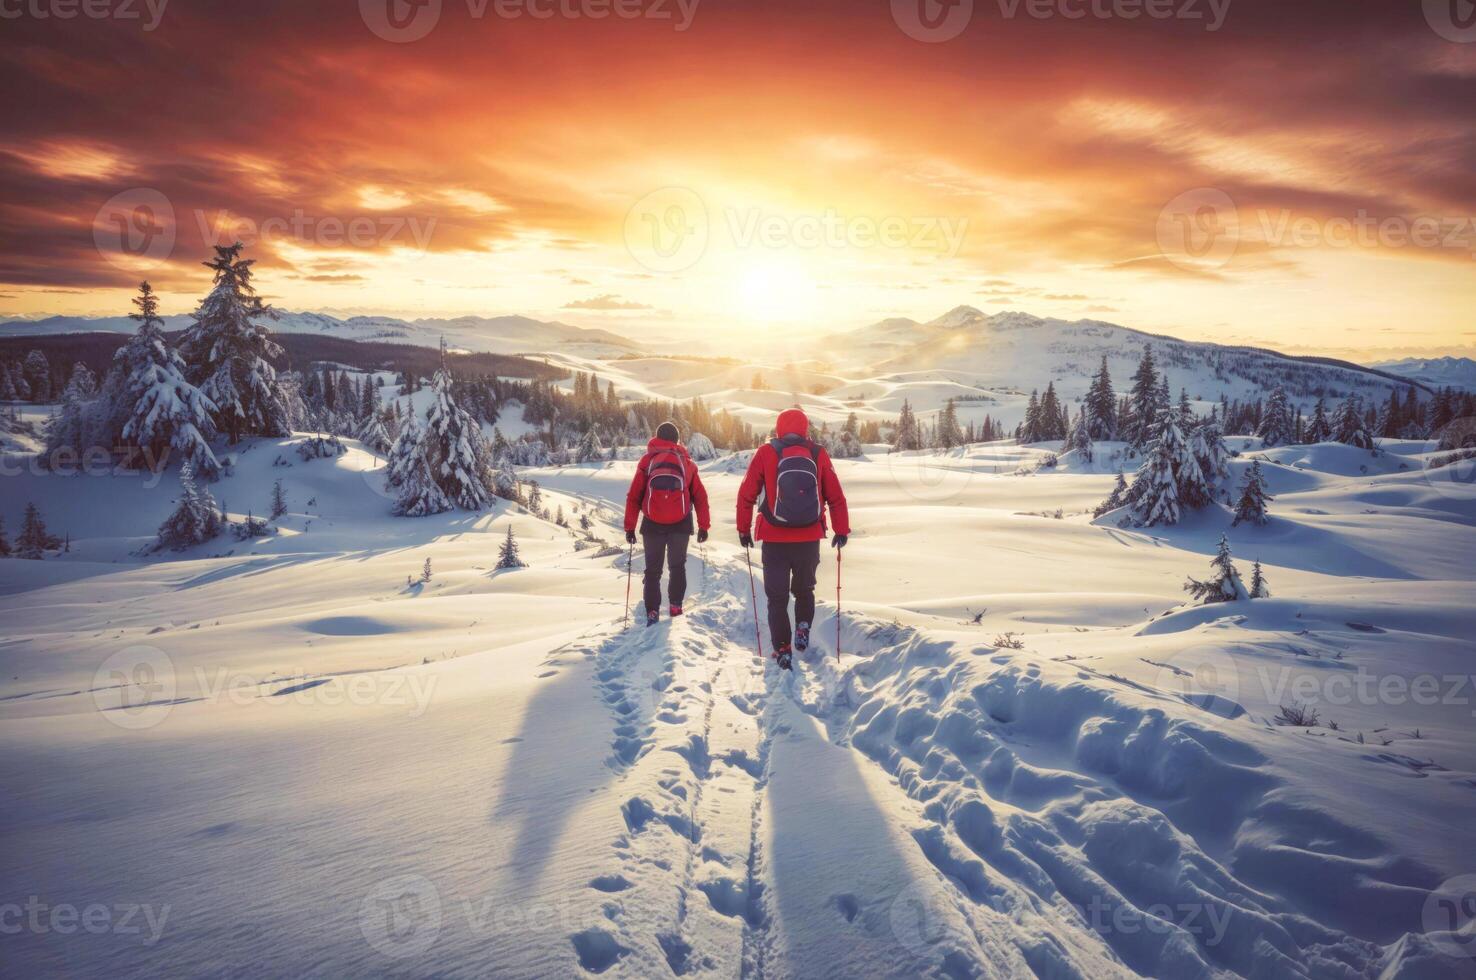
792	422
656	444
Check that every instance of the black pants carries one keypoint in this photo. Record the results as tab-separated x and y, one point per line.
789	566
665	547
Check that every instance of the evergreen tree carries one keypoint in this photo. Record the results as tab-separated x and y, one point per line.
1208	446
1144	398
1117	498
425	570
1348	424
700	448
19	383
1276	428
1030	426
458	454
590	450
1079	438
1101	405
279	500
71	427
34	540
38	376
535	496
374	435
1253	498
227	353
195	519
1258	587
1319	429
907	437
949	434
4	541
1225	585
1155	490
505	481
507	555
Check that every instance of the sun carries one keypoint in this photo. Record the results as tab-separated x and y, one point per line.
773	291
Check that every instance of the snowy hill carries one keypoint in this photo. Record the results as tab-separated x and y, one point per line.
494	335
1441	372
1027	757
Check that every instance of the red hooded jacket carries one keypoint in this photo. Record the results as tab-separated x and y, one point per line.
637	493
763	472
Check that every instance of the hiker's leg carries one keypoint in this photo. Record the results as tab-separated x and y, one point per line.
677	558
655	545
806	562
776	590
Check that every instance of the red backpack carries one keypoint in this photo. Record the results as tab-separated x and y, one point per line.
668	500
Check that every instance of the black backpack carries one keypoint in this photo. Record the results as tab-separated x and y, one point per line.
796	500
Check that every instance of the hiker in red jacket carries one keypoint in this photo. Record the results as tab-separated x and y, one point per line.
664	492
798	482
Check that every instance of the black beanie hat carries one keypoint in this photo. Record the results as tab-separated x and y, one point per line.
668	431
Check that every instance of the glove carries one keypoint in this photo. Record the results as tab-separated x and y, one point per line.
630	536
702	535
745	539
839	541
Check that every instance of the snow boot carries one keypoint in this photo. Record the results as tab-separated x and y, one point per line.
653	617
784	657
802	637
675	610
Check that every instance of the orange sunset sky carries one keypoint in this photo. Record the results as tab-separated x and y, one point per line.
1299	175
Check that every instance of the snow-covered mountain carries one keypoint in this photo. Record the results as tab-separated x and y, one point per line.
495	335
1015	350
1454	372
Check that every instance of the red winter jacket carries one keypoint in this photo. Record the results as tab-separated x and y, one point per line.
763	471
637	493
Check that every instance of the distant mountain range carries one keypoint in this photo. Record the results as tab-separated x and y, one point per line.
494	335
1442	372
1014	349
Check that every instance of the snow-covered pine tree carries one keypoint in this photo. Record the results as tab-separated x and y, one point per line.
195	519
1225	585
907	436
584	523
425	571
1348	425
949	434
507	554
700	448
1117	498
1079	438
279	500
458	454
1253	498
34	540
590	450
1276	428
1208	446
559	517
159	411
1155	490
227	353
1194	488
535	496
505	480
71	426
38	376
1101	405
1258	587
373	433
1319	429
417	493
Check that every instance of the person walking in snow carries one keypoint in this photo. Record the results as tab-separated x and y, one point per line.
792	481
664	492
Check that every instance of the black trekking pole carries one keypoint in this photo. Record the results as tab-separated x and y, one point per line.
629	566
753	594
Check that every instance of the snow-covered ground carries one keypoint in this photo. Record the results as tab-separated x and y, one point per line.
1028	758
